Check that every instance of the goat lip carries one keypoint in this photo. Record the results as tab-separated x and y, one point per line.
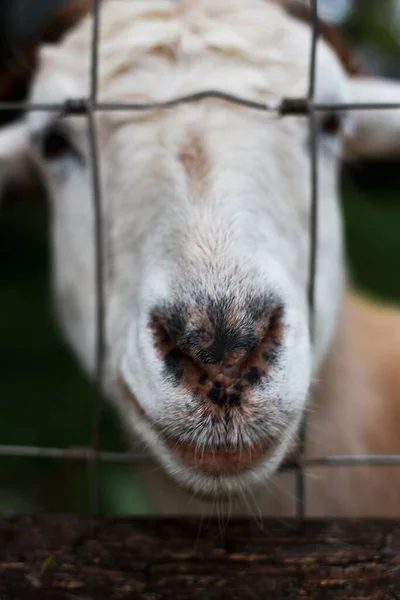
209	461
220	461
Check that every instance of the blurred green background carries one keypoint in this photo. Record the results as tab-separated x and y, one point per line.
44	398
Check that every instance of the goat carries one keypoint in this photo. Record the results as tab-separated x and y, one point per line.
206	211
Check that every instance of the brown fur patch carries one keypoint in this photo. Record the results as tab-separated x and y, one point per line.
355	410
167	52
194	159
65	18
302	11
22	65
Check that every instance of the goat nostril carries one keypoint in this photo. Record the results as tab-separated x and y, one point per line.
162	338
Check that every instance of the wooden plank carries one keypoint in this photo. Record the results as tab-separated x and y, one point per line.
64	558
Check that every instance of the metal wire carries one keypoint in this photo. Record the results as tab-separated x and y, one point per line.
301	106
75	454
86	454
301	474
287	106
94	59
100	339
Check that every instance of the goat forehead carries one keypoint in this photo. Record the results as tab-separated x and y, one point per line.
206	178
150	50
205	140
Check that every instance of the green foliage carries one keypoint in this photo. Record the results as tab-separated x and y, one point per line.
374	23
45	399
372	224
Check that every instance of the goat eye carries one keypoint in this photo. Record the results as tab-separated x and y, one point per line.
55	144
331	123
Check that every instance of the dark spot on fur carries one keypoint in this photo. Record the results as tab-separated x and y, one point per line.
271	355
175	321
258	307
220	397
202	379
234	400
207	357
253	376
173	365
216	393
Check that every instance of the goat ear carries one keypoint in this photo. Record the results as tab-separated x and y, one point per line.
17	164
66	17
373	134
58	22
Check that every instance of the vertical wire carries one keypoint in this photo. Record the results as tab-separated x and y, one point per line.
301	475
94	59
100	343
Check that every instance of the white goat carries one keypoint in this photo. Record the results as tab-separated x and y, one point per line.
206	214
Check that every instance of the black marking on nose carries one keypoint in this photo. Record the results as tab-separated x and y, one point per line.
173	365
216	331
227	339
219	396
234	400
272	354
175	319
253	376
216	393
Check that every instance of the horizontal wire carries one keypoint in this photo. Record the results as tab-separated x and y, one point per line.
77	454
86	454
323	106
287	106
379	460
81	104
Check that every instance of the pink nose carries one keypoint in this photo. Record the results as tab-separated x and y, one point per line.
218	350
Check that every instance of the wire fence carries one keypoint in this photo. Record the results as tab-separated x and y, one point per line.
88	107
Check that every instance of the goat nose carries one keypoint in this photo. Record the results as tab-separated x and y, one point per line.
219	348
220	342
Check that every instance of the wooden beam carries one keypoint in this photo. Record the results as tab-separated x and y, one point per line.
57	558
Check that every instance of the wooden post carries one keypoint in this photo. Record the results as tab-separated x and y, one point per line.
56	558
